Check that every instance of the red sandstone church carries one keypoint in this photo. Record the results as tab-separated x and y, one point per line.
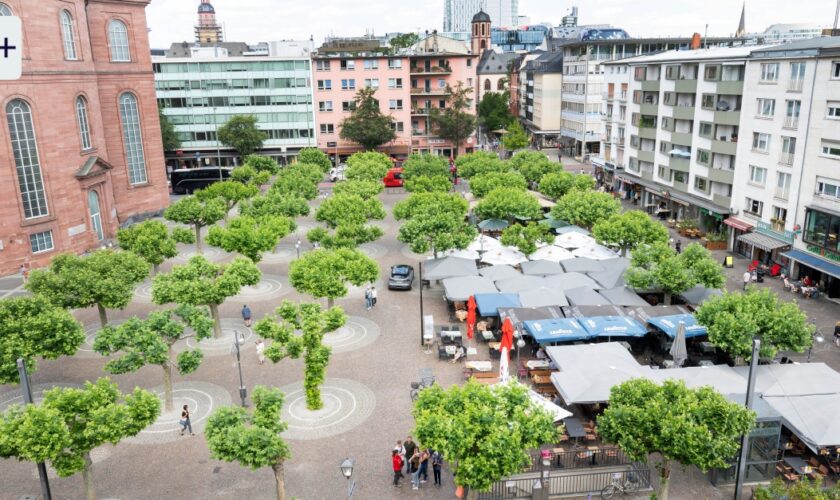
80	144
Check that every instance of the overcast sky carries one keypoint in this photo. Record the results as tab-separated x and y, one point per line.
263	20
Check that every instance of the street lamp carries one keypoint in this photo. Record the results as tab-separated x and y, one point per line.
818	339
297	247
243	392
520	344
346	468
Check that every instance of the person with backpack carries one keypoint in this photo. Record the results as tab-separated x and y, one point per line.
437	462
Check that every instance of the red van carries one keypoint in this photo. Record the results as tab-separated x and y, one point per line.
394	177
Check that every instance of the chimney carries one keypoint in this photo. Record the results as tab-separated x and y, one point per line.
696	42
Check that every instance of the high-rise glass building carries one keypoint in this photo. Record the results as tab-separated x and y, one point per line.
458	14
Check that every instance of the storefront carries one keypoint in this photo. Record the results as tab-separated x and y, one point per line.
821	258
737	229
763	248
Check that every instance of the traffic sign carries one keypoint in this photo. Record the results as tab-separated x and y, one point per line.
11	47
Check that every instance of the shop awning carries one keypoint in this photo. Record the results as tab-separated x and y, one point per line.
813	261
738	224
762	241
668	324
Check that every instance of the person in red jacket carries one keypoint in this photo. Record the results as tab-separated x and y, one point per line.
397	463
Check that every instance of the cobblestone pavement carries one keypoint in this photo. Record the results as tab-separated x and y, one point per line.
377	375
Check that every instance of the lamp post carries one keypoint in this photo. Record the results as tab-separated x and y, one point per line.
27	399
742	454
520	344
297	247
346	468
243	392
818	339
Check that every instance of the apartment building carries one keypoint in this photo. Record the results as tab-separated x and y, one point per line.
541	102
612	148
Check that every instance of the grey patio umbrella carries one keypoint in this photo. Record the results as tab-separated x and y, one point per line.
493	224
699	294
583	265
500	272
554	223
571	229
449	267
541	268
585	296
519	283
570	280
542	297
678	349
623	296
613	276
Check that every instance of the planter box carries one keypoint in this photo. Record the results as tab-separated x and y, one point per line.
715	245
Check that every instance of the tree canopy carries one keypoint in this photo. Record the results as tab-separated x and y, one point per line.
246	174
274	204
734	319
105	279
349	210
344	236
193	212
32	328
494	110
404	40
315	156
231	192
418	202
200	282
425	165
262	163
140	342
367	125
326	273
658	266
516	138
252	438
629	230
485	432
585	208
508	203
171	141
362	188
556	185
482	184
697	427
436	228
370	166
241	133
480	162
152	241
295	184
526	237
534	165
423	184
799	490
251	236
455	122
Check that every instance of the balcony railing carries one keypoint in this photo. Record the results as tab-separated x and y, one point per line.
796	85
421	111
622	96
786	159
439	70
429	91
791	122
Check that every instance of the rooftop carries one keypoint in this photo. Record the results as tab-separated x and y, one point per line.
492	62
710	53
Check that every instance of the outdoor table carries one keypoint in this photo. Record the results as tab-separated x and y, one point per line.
487	335
574	428
536	364
426	375
799	465
480	366
498	345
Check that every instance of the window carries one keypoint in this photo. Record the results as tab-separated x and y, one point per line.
672	73
82	119
371	64
821	229
792	114
394	63
469	63
133	139
348	106
397	126
831	149
835	69
487	85
67	36
325	106
5	10
783	185
769	72
833	110
640	73
701	184
679	177
324	84
830	188
41	242
442	104
788	150
766	107
327	128
27	162
797	71
118	41
95	214
348	84
703	156
348	64
322	65
708	101
779	213
662	172
761	142
442	83
395	83
395	104
372	83
754	207
712	73
758	175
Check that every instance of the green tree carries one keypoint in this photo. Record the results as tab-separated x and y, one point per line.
734	319
425	165
516	138
325	273
555	185
494	110
294	184
697	427
367	169
480	162
455	123
201	283
585	208
344	236
241	133
262	163
800	490
251	236
525	238
309	171
366	125
363	189
246	174
313	323
534	165
349	210
370	156
418	202
423	184
32	328
153	242
150	341
657	266
484	432
171	141
231	192
482	184
315	156
436	228
274	204
508	203
629	230
105	279
253	439
404	40
70	423
196	213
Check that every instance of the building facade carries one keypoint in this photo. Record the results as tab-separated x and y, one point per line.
540	102
208	29
82	154
201	87
458	14
492	73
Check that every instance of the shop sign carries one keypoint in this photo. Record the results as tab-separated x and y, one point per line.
822	253
766	229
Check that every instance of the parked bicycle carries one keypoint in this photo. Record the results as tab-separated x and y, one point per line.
416	387
630	485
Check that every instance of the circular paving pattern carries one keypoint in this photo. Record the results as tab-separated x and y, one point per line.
86	349
270	287
373	250
223	345
202	397
16	396
358	332
347	404
187	252
284	253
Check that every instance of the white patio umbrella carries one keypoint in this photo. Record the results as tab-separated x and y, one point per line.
503	256
552	253
595	252
463	254
678	348
574	240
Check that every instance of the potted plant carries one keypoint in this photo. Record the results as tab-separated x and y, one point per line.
778	224
686	226
715	241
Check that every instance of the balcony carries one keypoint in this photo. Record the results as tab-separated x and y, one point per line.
782	193
683	112
731	87
724	176
786	159
608	97
645	156
607	117
679	164
428	91
681	138
430	70
686	86
421	111
621	96
650	85
727	117
619	118
723	201
795	85
791	122
647	133
724	147
649	109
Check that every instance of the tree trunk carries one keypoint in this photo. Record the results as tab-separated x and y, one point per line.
664	479
330	302
280	478
103	315
624	251
167	382
472	494
217	321
198	239
87	477
669	299
155	268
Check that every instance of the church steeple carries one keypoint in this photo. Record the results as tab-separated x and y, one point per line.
208	30
742	29
480	32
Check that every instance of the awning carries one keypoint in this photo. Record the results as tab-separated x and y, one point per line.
547	331
762	241
613	326
738	224
813	261
489	303
668	324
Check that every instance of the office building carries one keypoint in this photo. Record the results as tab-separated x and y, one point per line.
458	14
81	152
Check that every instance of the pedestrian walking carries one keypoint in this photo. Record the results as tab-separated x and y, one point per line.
414	463
246	315
424	465
409	447
185	421
678	246
368	298
437	462
260	350
747	277
372	296
837	334
396	464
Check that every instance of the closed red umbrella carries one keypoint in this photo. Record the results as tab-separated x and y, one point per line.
470	316
505	346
